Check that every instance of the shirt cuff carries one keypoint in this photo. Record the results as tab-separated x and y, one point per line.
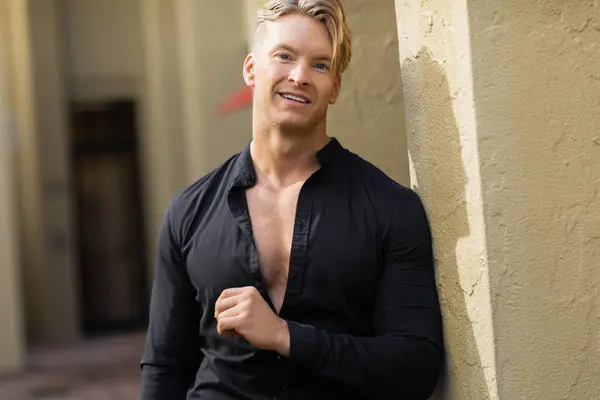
304	344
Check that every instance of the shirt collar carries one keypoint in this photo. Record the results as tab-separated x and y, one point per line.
244	174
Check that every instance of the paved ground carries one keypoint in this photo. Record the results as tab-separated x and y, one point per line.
100	369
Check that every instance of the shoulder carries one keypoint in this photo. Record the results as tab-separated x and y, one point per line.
194	200
401	216
389	197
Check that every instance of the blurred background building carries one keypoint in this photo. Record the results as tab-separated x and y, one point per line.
490	110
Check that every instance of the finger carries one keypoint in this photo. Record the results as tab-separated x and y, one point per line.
225	304
230	312
231	334
228	324
231	292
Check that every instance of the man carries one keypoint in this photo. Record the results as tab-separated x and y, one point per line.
296	270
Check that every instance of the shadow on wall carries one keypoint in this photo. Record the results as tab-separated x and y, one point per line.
435	148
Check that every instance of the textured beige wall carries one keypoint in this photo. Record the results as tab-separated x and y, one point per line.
536	69
443	148
368	117
502	105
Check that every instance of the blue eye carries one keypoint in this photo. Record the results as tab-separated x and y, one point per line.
322	66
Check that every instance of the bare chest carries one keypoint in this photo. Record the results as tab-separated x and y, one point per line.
272	214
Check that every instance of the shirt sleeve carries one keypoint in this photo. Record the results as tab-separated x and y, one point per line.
172	352
404	356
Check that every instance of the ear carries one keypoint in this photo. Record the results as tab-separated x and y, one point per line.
337	86
248	70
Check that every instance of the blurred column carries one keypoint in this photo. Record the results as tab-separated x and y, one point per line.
12	337
192	105
37	84
213	46
250	8
33	250
162	150
59	272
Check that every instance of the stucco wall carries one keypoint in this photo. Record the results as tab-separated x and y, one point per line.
536	69
443	148
368	117
502	109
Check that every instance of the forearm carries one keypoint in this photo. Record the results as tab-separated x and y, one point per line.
159	382
391	365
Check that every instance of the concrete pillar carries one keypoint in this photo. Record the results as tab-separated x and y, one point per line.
164	162
44	199
443	149
12	341
187	37
212	38
29	170
60	266
502	115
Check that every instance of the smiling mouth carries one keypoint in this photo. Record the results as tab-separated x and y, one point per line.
292	97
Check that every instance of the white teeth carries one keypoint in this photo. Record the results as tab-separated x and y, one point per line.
295	98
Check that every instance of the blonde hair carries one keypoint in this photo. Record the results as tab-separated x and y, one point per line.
328	12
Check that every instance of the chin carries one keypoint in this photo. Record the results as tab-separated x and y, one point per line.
291	120
291	124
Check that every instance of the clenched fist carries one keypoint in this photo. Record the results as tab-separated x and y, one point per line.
244	311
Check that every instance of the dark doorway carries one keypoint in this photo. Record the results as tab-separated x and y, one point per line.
109	216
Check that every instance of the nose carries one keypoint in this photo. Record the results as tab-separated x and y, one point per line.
299	75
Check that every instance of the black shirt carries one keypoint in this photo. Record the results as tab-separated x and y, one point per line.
361	301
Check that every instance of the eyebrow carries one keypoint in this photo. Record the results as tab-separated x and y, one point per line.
282	46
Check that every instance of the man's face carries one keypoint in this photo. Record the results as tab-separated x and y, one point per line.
290	71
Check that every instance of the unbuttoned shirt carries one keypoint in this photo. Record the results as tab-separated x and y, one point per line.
361	301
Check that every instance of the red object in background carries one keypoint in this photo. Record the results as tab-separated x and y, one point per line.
236	102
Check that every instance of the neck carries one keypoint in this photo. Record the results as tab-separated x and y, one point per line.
284	158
